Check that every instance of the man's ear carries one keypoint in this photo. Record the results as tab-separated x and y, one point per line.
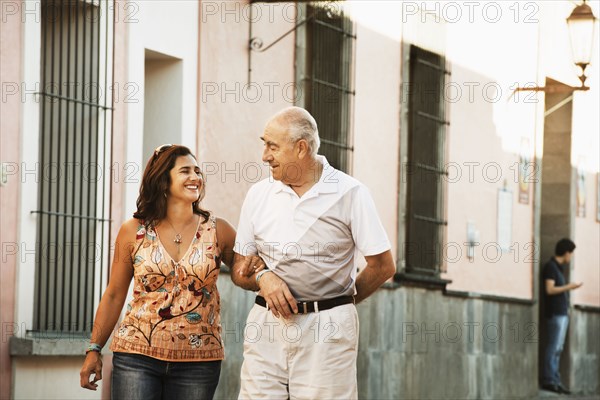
303	149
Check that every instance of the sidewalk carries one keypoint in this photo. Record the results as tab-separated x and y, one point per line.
544	394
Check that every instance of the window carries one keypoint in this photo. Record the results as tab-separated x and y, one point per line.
425	170
74	156
324	58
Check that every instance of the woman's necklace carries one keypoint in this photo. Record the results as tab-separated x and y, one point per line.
177	234
178	238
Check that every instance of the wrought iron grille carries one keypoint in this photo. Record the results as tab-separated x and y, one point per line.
426	153
75	134
328	81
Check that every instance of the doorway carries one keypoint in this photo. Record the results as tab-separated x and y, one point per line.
163	85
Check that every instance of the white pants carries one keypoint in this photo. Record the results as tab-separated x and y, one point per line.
309	356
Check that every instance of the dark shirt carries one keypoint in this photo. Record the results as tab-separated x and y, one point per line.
557	304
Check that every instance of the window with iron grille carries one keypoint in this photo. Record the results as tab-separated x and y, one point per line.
324	60
73	192
425	170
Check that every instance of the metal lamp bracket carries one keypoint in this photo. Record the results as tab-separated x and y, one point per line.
256	44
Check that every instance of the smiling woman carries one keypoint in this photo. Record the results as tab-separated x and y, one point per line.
158	178
174	317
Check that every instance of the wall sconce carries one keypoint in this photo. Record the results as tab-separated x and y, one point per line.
472	240
582	28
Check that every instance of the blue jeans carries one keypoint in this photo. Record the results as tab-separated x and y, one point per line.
557	330
136	376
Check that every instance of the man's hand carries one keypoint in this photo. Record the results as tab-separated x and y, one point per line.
379	269
576	285
92	365
278	295
553	290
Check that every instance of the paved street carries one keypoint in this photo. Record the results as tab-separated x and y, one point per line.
543	394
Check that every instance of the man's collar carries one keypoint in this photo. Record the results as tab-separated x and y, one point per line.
328	182
279	186
557	262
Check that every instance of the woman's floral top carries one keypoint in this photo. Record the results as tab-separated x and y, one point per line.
175	311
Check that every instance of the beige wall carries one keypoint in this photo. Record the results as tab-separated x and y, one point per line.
50	378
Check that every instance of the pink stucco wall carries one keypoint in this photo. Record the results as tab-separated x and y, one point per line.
376	119
119	128
232	117
232	110
587	236
479	166
487	128
10	113
118	158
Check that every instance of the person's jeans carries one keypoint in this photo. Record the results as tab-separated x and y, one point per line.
136	376
557	330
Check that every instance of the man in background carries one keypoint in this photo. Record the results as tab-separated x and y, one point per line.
557	313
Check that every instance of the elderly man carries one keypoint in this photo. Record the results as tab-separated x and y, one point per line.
301	336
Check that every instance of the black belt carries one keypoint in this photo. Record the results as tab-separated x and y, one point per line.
305	307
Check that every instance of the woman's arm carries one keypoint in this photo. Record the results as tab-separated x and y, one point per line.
111	303
226	238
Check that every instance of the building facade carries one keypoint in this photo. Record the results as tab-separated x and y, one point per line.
473	178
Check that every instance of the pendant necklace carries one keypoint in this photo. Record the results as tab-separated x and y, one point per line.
177	239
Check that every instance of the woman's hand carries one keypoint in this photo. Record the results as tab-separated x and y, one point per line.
91	365
111	303
252	265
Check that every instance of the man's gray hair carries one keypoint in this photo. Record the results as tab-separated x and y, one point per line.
301	125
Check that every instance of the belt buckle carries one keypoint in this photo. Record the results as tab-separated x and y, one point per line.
305	307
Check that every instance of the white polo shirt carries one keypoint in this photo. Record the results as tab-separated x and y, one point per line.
310	241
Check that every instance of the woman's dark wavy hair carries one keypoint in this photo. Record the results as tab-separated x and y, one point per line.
152	202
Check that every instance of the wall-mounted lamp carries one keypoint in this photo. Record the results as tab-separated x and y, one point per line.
582	28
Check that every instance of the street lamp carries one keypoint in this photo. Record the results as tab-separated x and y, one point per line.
582	29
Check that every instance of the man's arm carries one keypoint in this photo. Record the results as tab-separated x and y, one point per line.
379	269
553	290
275	291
